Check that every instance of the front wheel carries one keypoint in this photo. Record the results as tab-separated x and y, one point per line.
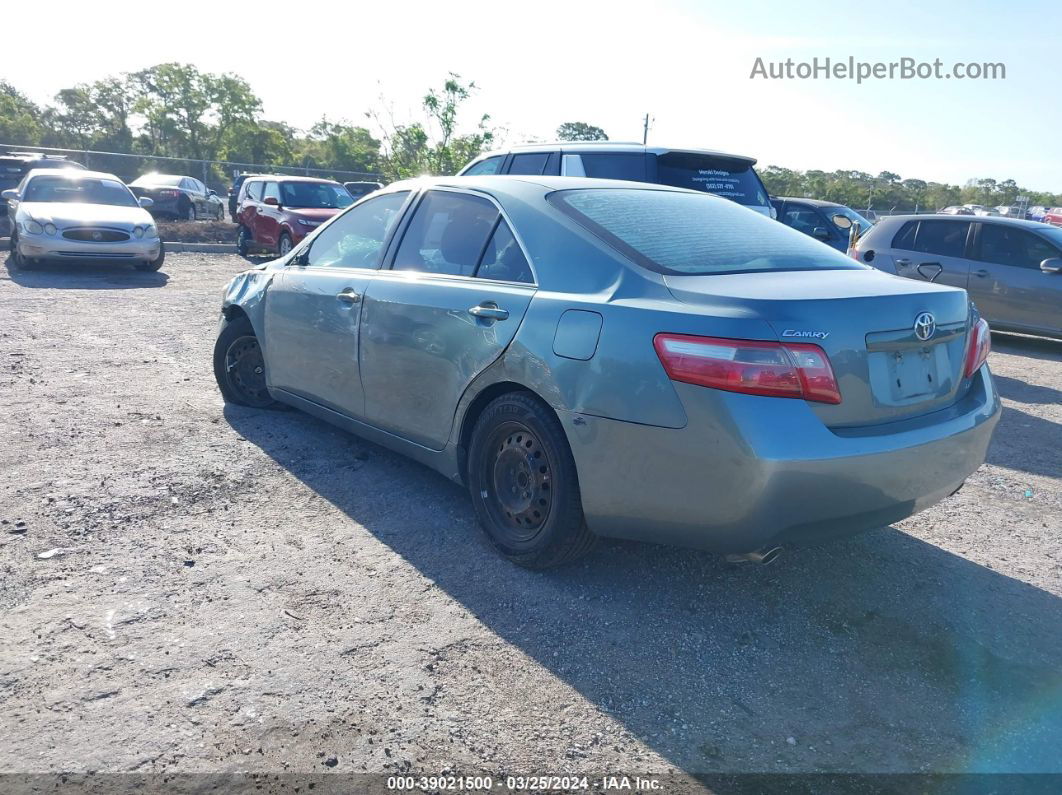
239	366
284	244
15	260
243	241
156	263
524	484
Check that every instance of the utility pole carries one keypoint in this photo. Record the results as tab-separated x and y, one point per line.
645	130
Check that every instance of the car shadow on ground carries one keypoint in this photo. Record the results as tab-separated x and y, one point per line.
876	653
1021	345
85	276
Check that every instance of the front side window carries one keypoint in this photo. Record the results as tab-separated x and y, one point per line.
943	238
356	238
448	234
315	195
82	191
802	218
490	165
689	234
1005	245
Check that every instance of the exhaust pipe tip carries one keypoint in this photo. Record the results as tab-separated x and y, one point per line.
763	557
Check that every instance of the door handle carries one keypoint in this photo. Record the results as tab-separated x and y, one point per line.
903	263
930	265
348	296
489	311
981	272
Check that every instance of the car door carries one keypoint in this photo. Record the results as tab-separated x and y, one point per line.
807	219
933	250
267	219
313	307
1006	282
457	290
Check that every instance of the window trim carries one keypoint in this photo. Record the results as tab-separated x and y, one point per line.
975	248
387	264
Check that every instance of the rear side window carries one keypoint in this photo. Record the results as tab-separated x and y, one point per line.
729	177
272	190
530	163
448	234
943	238
615	165
905	239
688	234
503	260
1005	245
490	165
802	218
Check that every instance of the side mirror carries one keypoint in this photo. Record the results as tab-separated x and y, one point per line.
272	201
146	202
212	193
1051	265
820	233
841	221
10	195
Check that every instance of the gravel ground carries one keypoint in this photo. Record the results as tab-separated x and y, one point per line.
190	587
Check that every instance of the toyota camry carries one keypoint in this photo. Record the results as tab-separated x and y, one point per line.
602	358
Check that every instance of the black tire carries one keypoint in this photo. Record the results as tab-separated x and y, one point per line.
239	366
283	244
189	212
16	261
156	263
220	215
243	241
524	485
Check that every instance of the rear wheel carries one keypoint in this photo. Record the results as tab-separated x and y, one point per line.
524	485
284	244
189	212
220	214
243	241
239	366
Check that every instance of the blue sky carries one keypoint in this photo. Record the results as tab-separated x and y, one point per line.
687	63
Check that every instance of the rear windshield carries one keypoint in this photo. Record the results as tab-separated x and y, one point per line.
686	234
318	195
79	190
731	178
157	179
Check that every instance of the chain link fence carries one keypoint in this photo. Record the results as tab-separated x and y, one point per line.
216	174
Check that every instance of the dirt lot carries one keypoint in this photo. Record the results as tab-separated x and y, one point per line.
189	587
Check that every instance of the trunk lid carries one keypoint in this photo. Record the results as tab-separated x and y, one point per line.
865	321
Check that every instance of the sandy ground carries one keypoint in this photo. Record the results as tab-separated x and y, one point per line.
188	587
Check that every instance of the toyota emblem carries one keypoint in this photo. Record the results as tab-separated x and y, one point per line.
924	326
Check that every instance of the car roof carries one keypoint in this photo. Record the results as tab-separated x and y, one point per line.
76	173
520	186
574	147
984	219
812	202
289	178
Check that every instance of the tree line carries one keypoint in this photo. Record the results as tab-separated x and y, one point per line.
176	110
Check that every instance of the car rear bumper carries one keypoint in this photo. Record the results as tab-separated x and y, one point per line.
748	472
44	247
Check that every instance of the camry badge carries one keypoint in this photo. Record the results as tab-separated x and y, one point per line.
924	326
816	335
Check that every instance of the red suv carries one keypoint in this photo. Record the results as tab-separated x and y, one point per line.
275	213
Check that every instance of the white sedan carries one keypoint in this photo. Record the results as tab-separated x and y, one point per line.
80	215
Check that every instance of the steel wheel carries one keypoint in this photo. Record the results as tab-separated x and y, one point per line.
245	371
520	481
284	246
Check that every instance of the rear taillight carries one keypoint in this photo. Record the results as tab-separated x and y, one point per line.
755	367
978	348
169	193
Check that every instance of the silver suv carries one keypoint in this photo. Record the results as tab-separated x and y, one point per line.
730	176
1012	269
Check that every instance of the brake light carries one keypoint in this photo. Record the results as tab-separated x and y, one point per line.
979	347
754	367
169	193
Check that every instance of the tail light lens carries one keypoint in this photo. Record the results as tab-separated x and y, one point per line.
169	193
754	367
979	347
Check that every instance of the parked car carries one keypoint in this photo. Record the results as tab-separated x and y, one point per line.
359	189
1010	211
1012	269
980	209
1037	212
1053	216
80	215
178	197
957	209
727	175
275	213
14	166
820	219
234	193
704	377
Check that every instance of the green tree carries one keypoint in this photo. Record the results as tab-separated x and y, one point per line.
20	119
580	131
